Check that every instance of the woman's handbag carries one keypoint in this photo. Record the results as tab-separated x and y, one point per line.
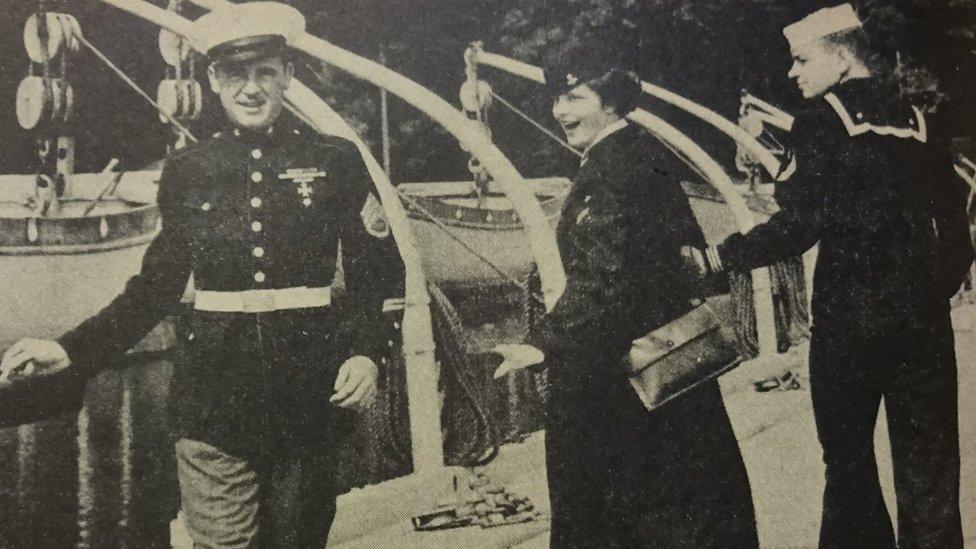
684	353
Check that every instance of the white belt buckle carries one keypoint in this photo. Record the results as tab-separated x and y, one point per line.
257	303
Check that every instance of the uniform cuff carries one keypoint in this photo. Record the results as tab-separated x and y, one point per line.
74	345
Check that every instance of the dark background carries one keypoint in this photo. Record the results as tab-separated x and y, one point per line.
706	50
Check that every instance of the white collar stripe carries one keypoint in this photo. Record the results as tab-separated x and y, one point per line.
855	129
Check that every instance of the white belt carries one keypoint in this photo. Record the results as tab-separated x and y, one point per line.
262	301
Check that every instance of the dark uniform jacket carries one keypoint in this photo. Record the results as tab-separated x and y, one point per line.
247	211
620	236
620	476
874	186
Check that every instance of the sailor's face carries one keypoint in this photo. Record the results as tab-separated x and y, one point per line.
252	93
582	115
817	67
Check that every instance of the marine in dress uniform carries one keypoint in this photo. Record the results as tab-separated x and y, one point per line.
260	215
619	475
874	187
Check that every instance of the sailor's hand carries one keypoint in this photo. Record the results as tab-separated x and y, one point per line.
355	386
516	356
705	262
32	358
695	259
714	259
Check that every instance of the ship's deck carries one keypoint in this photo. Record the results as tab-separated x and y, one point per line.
775	431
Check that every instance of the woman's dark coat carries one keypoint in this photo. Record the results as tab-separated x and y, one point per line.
620	476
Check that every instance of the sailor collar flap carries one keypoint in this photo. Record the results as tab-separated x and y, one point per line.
862	109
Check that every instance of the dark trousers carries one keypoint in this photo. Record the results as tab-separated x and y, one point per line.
622	477
913	369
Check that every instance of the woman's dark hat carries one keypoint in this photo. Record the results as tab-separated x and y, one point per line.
571	71
582	64
599	68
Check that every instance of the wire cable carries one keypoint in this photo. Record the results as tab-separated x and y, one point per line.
125	78
535	124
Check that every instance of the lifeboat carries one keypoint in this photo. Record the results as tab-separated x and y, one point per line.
70	264
62	267
471	238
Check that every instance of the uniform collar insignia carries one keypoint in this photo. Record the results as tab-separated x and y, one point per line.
238	132
601	135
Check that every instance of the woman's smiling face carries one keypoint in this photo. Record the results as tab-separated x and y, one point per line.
582	115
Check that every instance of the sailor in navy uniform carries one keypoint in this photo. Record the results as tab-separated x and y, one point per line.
874	186
620	475
278	362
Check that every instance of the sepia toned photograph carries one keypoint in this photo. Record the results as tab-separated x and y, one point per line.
475	274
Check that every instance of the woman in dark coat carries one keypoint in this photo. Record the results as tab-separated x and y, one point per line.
620	475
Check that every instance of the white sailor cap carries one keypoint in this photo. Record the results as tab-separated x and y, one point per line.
821	23
245	32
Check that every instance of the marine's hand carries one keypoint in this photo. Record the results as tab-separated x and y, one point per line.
516	356
355	386
32	358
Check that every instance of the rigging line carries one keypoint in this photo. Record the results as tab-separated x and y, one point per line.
444	228
682	157
535	124
440	225
125	78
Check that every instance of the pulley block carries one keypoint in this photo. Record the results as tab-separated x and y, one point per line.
174	49
168	99
181	99
62	30
475	95
38	50
34	101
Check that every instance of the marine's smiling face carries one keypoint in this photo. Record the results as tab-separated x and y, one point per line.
817	67
582	115
253	92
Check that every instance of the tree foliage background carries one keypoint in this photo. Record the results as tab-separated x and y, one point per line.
707	50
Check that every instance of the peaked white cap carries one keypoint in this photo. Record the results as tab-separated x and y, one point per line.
239	22
821	23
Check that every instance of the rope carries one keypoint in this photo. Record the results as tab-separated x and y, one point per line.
451	330
535	124
125	78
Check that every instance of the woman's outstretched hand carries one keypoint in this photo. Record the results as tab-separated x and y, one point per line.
516	356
